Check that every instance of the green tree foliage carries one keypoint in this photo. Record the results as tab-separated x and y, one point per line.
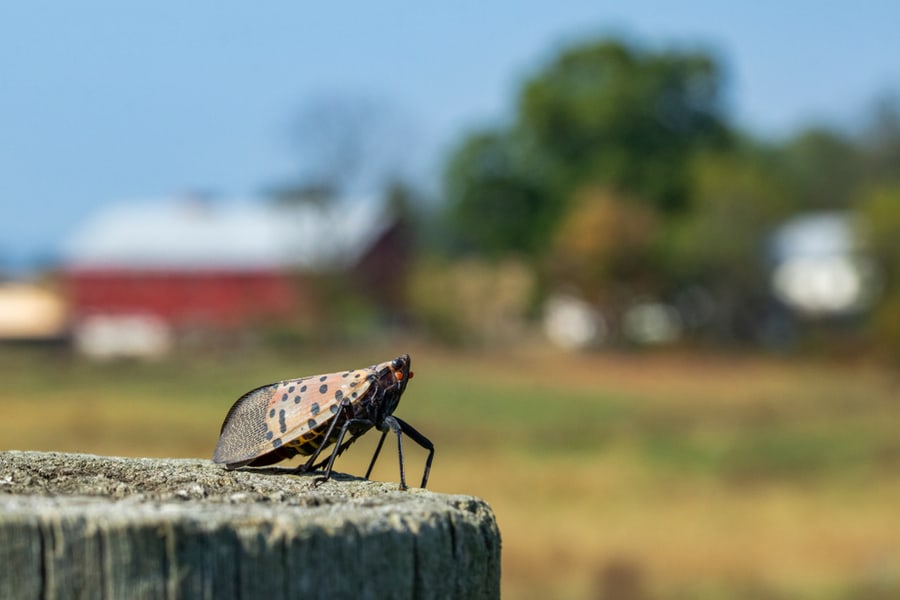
601	114
880	213
719	244
607	113
881	144
824	169
736	201
495	205
880	221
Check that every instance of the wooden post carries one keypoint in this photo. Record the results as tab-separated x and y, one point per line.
82	526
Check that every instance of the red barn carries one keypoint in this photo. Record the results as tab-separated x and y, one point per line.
138	275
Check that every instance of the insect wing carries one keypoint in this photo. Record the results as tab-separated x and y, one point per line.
266	418
244	429
299	407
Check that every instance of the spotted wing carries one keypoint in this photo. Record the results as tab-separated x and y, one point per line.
265	419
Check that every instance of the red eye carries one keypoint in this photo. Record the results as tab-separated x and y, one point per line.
398	375
410	374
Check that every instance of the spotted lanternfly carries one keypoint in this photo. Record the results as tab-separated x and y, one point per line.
304	416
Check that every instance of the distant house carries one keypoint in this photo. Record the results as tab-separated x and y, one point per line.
819	266
139	274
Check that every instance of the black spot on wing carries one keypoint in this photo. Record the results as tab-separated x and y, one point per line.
314	409
323	388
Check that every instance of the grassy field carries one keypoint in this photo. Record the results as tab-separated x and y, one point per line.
659	476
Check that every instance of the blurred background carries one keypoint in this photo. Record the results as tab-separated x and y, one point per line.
645	257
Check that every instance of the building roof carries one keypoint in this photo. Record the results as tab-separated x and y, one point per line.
211	234
814	235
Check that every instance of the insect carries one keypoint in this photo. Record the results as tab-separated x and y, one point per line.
304	416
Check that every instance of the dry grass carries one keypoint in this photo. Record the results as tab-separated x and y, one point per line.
665	476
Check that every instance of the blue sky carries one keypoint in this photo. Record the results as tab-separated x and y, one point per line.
102	102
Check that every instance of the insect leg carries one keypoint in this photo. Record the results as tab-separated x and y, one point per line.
377	450
393	423
422	441
308	465
337	448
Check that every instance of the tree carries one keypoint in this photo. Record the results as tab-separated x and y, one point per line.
879	212
602	114
736	200
719	245
606	242
495	205
881	143
610	114
823	168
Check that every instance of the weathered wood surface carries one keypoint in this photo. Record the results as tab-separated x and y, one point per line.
82	526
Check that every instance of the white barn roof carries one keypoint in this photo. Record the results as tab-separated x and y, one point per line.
815	235
200	234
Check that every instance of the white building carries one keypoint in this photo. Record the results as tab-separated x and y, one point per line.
819	267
